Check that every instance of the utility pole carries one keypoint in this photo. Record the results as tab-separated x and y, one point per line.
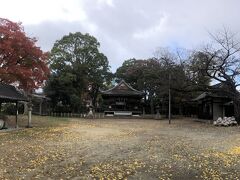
169	99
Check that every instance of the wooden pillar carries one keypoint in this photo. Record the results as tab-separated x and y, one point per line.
40	107
16	115
0	106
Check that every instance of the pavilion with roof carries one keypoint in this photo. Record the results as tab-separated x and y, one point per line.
10	94
122	99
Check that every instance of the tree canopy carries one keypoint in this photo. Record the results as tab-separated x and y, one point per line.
152	76
78	70
21	61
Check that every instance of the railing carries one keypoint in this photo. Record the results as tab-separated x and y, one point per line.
75	115
97	115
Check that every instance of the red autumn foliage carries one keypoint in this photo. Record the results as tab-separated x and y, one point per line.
21	61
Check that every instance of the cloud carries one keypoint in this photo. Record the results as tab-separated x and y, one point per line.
107	2
151	31
125	29
37	11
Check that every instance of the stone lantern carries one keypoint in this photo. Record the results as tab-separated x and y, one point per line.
90	113
29	105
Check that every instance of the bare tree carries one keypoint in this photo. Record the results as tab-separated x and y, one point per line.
221	62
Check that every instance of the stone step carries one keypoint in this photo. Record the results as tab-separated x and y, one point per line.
122	113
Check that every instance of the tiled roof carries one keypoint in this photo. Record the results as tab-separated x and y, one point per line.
10	93
123	88
211	94
215	91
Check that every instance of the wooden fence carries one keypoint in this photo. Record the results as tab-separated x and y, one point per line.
76	115
99	116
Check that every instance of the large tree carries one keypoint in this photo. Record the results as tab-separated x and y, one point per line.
152	77
141	75
79	69
221	62
21	61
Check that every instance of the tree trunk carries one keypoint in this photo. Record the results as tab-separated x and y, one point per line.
94	98
94	94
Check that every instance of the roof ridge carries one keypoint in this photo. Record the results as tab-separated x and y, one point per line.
129	86
121	82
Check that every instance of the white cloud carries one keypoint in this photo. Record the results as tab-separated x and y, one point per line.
35	12
159	28
107	2
125	28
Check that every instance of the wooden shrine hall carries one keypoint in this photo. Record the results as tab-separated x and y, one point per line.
123	100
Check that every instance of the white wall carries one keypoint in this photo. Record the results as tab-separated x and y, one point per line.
217	111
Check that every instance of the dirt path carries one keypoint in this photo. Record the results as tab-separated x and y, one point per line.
127	148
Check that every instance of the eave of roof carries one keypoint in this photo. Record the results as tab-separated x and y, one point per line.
40	96
206	94
129	91
10	93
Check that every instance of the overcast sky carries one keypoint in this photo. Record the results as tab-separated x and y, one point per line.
125	28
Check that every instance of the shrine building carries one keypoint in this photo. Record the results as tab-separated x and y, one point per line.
123	100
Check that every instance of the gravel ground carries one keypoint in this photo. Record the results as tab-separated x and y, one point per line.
61	148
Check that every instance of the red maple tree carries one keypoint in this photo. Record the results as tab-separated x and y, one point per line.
21	61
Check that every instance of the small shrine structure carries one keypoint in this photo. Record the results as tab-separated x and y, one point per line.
123	100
